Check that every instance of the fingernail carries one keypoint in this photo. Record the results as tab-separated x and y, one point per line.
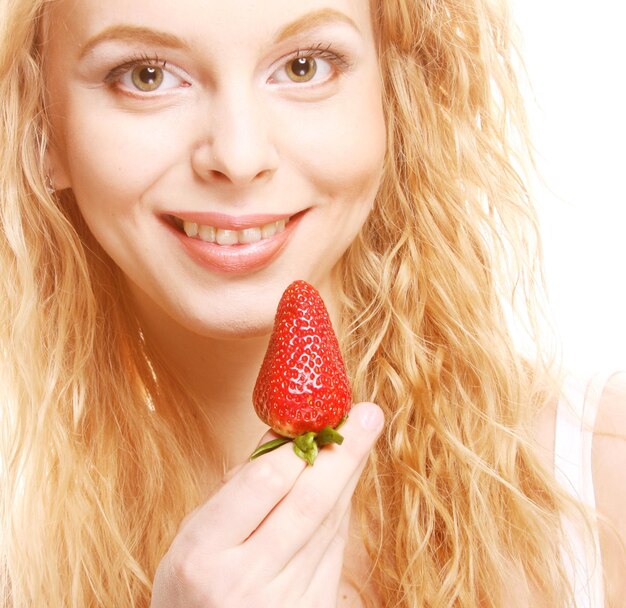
371	417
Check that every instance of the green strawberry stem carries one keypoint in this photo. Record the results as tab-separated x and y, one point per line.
328	435
269	446
307	445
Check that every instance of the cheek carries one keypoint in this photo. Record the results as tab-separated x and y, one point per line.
341	147
116	155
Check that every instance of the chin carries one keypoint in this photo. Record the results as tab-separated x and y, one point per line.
239	331
192	319
231	326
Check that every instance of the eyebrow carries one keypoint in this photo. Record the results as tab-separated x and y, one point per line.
312	20
135	33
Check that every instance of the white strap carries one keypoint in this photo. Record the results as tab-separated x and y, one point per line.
575	422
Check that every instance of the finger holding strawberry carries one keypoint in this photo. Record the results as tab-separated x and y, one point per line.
274	533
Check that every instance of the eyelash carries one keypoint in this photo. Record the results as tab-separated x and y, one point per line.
132	62
321	51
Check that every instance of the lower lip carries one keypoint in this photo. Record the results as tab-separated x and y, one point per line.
235	258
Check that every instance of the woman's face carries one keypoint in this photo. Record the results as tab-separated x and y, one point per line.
229	116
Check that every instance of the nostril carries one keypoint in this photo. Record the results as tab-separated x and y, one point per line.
230	178
217	175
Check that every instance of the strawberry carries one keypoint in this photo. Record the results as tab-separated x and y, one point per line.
302	391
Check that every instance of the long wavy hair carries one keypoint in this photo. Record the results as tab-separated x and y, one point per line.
98	442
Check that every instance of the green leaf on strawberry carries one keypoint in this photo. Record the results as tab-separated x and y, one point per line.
269	446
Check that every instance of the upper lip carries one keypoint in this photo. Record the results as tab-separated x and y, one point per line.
229	222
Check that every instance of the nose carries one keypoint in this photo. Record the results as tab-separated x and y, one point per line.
237	146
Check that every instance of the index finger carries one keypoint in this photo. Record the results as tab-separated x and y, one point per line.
235	511
317	490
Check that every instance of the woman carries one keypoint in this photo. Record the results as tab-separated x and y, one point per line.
167	170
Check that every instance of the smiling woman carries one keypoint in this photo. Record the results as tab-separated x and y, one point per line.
190	121
166	171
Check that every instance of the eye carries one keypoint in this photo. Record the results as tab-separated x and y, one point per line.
303	69
317	63
148	78
143	74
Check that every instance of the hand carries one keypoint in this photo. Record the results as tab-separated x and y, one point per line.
275	531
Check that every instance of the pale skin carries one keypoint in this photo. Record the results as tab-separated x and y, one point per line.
227	132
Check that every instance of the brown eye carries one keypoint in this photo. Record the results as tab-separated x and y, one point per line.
147	77
301	69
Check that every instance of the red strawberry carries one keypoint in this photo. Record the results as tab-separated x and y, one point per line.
302	390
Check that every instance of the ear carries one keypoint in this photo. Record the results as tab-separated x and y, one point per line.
56	169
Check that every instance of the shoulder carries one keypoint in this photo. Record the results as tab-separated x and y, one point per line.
608	467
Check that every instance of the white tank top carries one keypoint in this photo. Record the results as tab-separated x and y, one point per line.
575	420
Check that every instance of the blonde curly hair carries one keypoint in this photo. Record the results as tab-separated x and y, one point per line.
98	441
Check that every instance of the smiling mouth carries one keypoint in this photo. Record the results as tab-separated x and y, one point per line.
238	244
225	237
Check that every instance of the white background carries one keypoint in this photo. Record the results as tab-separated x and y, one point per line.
575	55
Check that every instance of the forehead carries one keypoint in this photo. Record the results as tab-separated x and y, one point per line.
216	23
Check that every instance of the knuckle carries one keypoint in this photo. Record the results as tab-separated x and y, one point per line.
264	477
337	545
184	570
327	529
331	523
188	560
335	524
190	574
308	503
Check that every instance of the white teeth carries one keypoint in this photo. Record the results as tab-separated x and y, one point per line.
268	230
207	233
220	236
191	228
250	235
226	237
